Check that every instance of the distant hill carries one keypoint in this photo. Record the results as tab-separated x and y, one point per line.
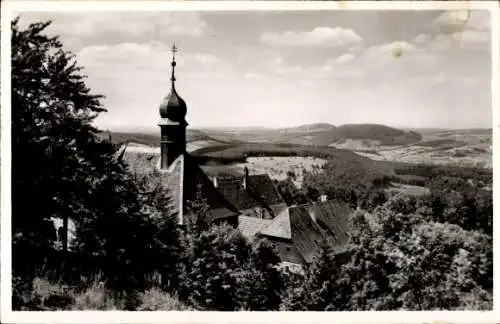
326	134
316	127
384	134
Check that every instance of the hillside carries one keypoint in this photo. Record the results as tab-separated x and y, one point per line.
369	133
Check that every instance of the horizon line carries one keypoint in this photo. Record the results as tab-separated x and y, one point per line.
152	129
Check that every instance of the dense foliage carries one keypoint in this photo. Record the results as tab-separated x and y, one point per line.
67	171
400	261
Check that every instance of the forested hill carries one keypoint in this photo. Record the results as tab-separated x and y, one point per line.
382	134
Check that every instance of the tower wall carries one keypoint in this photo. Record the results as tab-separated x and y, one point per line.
173	143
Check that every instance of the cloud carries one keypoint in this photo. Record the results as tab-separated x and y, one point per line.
466	39
152	55
421	39
252	75
81	29
319	36
203	58
288	70
462	29
383	65
344	58
452	21
480	20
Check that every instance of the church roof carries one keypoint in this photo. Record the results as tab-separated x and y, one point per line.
334	218
189	183
232	189
185	181
312	223
280	227
260	192
306	226
306	234
263	187
250	226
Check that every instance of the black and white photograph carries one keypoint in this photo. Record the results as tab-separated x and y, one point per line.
324	160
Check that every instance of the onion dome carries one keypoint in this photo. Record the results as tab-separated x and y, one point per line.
173	106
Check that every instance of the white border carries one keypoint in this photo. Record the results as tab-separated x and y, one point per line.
7	316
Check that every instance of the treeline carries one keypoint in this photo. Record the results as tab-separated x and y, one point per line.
399	261
460	196
244	150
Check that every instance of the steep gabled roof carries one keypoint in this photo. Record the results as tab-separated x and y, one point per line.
185	181
195	184
312	223
334	218
262	188
232	189
174	182
260	192
280	226
250	226
278	208
306	234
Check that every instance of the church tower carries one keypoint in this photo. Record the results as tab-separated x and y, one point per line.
172	123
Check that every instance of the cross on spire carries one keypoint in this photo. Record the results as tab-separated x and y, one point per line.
174	50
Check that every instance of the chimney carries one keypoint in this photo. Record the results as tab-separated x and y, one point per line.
216	183
245	178
322	198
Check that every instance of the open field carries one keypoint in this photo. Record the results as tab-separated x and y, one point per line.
471	148
277	167
407	189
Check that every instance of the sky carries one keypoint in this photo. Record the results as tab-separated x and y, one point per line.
280	69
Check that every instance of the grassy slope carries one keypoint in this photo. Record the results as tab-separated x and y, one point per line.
51	296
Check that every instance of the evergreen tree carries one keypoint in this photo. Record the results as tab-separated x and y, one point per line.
319	288
264	282
215	271
57	158
62	168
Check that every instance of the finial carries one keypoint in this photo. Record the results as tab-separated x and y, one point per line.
174	50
